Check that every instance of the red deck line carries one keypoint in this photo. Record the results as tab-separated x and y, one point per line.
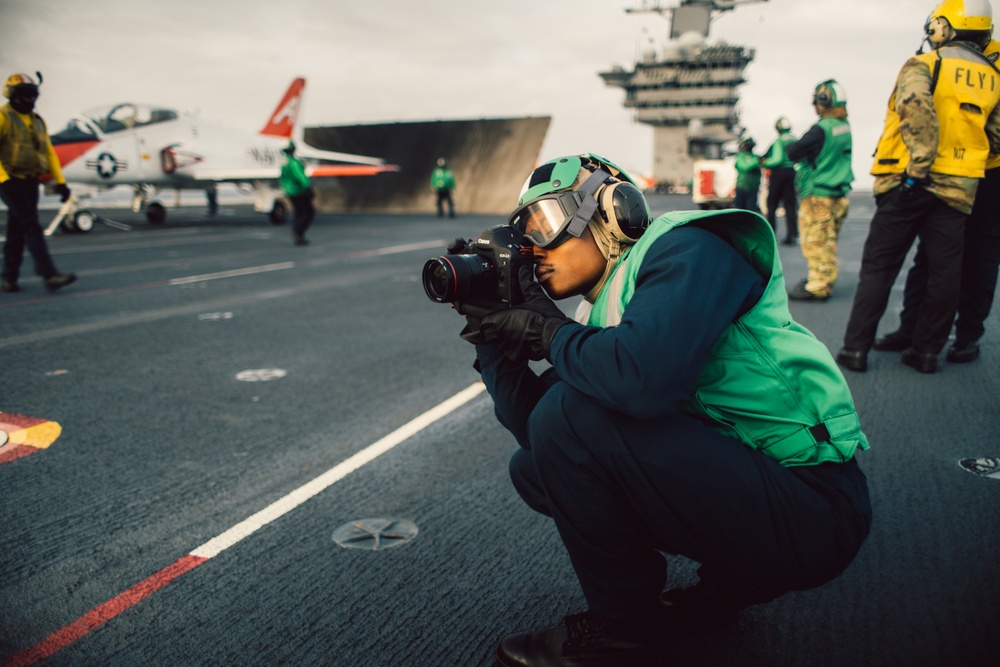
103	613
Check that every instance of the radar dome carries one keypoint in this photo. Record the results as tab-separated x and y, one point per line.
691	42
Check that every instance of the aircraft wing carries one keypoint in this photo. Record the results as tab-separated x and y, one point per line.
307	153
272	173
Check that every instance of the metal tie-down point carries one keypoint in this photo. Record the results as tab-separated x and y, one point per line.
375	534
983	466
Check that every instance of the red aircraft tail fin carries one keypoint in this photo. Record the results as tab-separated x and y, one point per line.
282	121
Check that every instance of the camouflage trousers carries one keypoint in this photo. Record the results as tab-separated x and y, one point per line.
820	220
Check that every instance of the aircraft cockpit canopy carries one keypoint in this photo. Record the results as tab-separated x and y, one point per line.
110	119
126	116
76	130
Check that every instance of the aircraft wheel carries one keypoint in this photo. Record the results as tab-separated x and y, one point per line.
279	212
155	213
84	221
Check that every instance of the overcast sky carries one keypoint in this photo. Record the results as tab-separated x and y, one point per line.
372	61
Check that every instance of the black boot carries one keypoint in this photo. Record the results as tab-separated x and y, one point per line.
58	281
800	293
853	360
894	341
922	362
963	352
585	641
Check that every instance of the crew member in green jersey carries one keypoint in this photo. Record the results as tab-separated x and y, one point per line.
823	180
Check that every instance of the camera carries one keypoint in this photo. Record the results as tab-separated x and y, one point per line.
481	271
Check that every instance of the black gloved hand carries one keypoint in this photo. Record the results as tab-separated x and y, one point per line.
473	322
526	330
62	190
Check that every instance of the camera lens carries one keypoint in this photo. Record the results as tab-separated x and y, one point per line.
439	279
453	277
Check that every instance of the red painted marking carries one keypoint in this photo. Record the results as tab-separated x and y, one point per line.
24	421
328	170
15	453
9	451
69	152
282	120
103	613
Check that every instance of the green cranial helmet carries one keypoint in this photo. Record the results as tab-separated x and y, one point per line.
562	196
828	94
561	174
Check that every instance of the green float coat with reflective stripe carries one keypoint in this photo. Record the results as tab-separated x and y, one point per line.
769	382
777	155
830	175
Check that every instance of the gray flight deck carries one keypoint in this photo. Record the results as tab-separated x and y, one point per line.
163	449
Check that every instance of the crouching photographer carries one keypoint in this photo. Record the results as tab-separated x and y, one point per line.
685	413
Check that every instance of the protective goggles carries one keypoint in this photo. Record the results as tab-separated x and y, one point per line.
550	219
25	90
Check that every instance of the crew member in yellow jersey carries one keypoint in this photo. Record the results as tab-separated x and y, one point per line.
942	123
26	154
980	264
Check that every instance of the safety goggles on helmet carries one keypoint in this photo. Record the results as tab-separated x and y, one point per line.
26	91
556	216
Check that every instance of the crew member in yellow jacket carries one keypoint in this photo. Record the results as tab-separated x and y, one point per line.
26	154
942	122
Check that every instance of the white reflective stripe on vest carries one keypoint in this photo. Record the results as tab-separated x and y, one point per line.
613	315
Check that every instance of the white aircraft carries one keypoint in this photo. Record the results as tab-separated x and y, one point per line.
154	148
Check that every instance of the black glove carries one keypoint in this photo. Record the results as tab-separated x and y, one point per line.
63	191
526	330
473	322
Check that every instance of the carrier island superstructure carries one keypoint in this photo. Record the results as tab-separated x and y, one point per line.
688	91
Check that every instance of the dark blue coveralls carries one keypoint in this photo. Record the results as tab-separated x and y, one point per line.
608	454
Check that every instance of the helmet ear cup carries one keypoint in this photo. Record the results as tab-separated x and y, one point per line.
824	95
829	94
625	209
